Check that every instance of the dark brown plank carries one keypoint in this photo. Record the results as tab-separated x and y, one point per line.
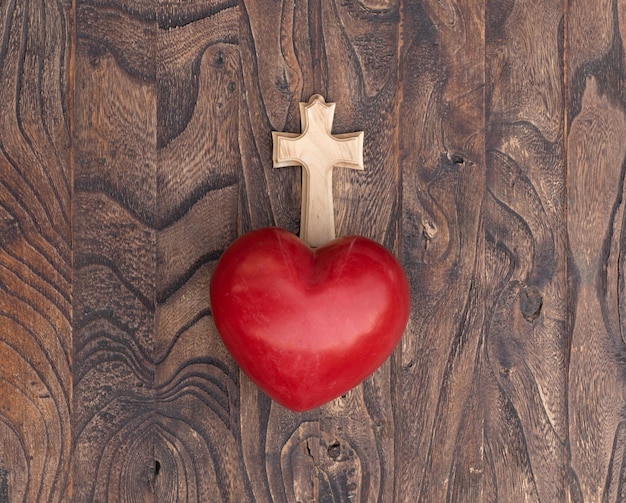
440	426
346	51
525	358
35	255
357	453
114	231
596	166
197	426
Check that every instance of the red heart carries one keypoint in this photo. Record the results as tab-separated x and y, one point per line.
307	326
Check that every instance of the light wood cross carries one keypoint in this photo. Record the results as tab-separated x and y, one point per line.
317	151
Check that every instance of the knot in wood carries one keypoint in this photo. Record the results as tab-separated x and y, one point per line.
530	302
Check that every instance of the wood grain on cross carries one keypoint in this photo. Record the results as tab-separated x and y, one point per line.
317	151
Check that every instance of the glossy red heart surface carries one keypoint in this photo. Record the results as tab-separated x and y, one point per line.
308	325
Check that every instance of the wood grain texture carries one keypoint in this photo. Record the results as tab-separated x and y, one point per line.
198	445
35	252
114	230
440	431
525	362
495	158
596	163
155	181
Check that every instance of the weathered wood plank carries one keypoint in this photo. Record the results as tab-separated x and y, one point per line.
347	52
114	231
525	356
356	456
596	166
441	122
35	252
197	425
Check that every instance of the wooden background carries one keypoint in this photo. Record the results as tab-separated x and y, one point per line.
135	146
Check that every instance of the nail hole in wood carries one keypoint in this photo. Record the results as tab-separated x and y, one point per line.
334	450
456	158
157	467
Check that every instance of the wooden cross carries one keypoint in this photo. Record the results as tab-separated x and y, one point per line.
317	151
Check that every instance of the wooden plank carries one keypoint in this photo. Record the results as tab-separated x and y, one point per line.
114	231
197	440
596	167
525	355
288	52
35	253
357	450
440	133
